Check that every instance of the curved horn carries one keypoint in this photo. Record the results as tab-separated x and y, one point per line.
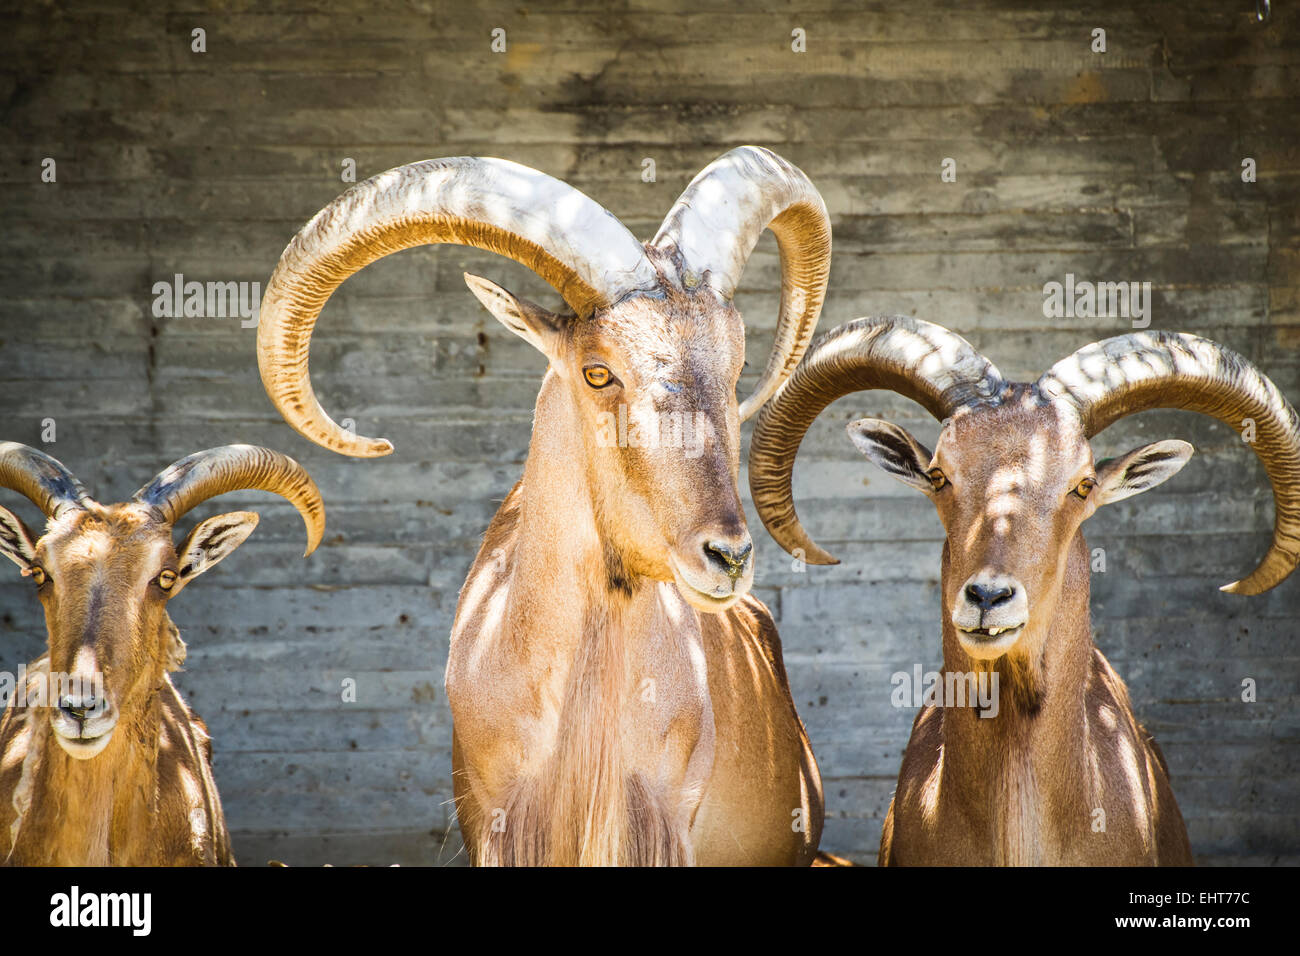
936	368
194	479
714	225
568	239
1144	370
42	479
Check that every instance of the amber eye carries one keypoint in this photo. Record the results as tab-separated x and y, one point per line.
1084	487
37	574
937	479
597	376
167	580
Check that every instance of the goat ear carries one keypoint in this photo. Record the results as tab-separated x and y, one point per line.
16	542
210	542
894	450
1139	470
540	328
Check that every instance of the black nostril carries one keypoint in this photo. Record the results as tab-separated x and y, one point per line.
730	560
988	597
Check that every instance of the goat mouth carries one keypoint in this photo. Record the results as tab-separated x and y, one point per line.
82	746
709	601
989	642
706	601
988	633
84	738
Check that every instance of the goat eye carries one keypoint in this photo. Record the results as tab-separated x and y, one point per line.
937	478
1084	487
597	376
167	580
37	574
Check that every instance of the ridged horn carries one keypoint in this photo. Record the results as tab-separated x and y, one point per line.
187	483
568	239
936	368
41	479
1144	370
715	224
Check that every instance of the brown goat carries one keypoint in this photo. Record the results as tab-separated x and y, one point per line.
101	761
1062	773
618	696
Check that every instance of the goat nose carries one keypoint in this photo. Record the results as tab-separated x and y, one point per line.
77	707
729	556
988	597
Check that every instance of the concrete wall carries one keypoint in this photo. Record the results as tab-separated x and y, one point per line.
1117	166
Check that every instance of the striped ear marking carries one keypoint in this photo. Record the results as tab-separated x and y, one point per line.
895	451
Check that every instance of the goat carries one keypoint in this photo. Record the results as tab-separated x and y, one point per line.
1064	773
111	767
617	694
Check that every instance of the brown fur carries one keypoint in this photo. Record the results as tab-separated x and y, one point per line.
601	716
149	797
1024	787
130	806
586	805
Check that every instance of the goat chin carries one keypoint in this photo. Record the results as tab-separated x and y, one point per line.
707	603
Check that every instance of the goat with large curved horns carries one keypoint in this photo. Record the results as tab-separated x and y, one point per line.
1063	773
617	694
101	761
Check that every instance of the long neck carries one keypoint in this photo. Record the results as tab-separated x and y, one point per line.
577	615
101	811
559	562
1008	771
